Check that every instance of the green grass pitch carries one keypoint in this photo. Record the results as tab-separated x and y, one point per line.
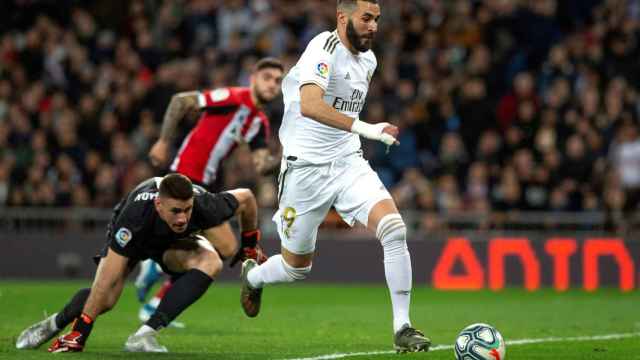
310	320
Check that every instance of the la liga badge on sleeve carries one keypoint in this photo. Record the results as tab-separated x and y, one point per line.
123	236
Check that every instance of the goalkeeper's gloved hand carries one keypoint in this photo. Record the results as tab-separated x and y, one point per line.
249	248
67	343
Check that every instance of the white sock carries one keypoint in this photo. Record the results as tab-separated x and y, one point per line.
52	322
397	267
275	270
144	329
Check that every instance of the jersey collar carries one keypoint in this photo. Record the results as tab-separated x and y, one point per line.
357	56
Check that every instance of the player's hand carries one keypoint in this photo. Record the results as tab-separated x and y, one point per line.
393	131
67	343
256	253
264	162
158	153
383	132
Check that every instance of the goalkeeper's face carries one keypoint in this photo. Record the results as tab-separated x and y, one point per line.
175	212
363	25
265	84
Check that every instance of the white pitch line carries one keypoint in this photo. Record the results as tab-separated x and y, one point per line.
510	343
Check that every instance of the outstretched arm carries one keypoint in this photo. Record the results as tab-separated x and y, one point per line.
179	106
247	214
108	284
105	291
247	211
313	106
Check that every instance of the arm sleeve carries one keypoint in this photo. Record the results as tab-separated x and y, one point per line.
125	232
317	62
216	98
214	209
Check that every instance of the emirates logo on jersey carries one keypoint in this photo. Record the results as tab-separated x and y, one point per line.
354	104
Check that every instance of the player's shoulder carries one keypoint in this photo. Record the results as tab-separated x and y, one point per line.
242	95
199	191
143	194
136	211
204	202
148	186
239	91
326	41
224	94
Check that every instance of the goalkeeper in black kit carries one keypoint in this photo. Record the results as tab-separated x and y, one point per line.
171	221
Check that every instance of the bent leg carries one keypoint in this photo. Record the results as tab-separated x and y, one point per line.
199	262
285	267
298	235
223	240
149	275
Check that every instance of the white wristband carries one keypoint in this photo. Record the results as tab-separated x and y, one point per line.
367	130
372	131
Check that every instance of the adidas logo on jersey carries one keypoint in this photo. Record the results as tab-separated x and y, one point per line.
348	77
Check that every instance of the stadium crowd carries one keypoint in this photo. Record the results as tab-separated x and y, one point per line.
502	104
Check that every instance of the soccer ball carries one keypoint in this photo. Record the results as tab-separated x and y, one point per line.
479	342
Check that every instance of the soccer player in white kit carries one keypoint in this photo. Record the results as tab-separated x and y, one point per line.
323	166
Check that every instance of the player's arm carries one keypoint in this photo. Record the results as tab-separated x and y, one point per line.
105	291
108	284
180	104
263	161
313	106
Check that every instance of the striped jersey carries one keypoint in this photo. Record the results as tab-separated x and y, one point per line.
229	117
345	78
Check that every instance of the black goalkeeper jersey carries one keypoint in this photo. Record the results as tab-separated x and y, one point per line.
136	230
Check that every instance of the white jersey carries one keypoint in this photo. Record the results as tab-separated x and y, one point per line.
345	79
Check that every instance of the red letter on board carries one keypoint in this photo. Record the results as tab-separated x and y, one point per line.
561	250
595	248
458	248
499	248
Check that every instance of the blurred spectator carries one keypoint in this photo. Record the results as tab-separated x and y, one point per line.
626	161
494	116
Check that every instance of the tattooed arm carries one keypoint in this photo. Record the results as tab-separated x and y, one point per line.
179	106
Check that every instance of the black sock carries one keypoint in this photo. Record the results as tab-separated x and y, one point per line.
184	292
73	309
83	324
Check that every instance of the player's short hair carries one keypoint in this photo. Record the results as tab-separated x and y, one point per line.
268	63
350	5
176	186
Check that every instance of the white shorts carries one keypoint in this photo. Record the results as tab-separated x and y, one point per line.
307	192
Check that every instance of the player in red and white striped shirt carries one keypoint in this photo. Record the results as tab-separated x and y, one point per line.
229	117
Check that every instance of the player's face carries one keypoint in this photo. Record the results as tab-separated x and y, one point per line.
266	84
176	213
363	25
